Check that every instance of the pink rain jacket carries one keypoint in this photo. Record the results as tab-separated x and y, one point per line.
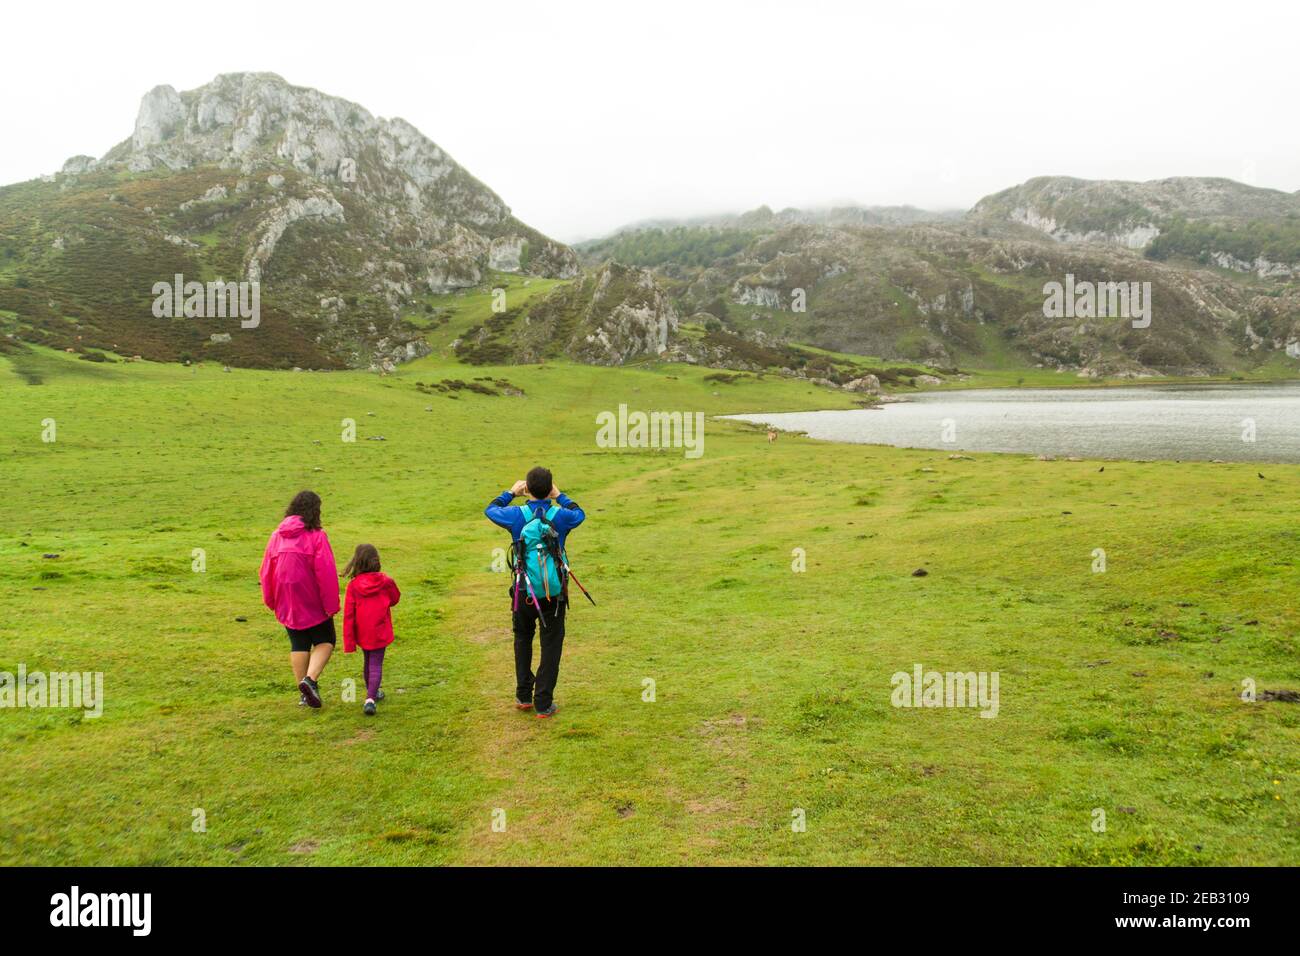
299	580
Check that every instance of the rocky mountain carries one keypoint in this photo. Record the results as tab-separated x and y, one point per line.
974	292
613	315
1212	221
344	220
345	233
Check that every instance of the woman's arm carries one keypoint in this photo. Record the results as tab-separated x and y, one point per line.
327	577
267	576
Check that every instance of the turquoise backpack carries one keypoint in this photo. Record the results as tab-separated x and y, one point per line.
539	554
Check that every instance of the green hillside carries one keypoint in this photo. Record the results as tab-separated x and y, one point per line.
772	688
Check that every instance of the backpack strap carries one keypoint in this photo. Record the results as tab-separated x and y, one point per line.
546	515
556	554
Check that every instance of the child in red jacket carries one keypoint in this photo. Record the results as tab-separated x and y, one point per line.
367	620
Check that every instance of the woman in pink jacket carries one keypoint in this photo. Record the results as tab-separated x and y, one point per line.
301	585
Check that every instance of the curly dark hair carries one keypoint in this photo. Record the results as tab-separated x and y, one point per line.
306	505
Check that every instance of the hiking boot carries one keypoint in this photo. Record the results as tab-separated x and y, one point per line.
548	712
523	704
368	708
310	690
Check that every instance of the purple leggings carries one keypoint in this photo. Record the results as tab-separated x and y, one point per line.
374	671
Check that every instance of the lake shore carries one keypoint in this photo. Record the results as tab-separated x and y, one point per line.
1172	421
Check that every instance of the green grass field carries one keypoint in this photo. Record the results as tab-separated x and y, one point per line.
1118	690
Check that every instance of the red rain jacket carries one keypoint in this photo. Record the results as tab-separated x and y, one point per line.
367	620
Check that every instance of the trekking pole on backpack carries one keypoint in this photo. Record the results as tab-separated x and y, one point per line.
536	603
552	544
569	572
513	561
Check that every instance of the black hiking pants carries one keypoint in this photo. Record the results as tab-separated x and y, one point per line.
538	688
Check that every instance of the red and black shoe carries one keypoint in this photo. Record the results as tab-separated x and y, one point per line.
523	705
548	712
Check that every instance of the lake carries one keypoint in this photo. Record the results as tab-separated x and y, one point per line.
1196	422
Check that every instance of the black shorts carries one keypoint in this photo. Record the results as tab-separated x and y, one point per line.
307	638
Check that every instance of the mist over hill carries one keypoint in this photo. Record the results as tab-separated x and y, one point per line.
1219	258
352	226
1213	221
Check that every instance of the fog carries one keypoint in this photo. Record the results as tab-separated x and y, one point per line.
587	116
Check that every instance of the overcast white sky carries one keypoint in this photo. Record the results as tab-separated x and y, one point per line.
586	116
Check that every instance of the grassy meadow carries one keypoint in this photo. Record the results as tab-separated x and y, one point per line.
1118	690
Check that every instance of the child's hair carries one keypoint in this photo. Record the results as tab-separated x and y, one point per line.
306	505
364	560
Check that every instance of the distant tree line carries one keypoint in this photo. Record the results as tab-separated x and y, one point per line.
1275	240
682	245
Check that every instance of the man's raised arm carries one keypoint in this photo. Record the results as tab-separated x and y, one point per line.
499	511
570	514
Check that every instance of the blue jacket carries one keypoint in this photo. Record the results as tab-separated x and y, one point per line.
502	512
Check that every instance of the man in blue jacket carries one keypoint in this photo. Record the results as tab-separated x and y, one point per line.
545	506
